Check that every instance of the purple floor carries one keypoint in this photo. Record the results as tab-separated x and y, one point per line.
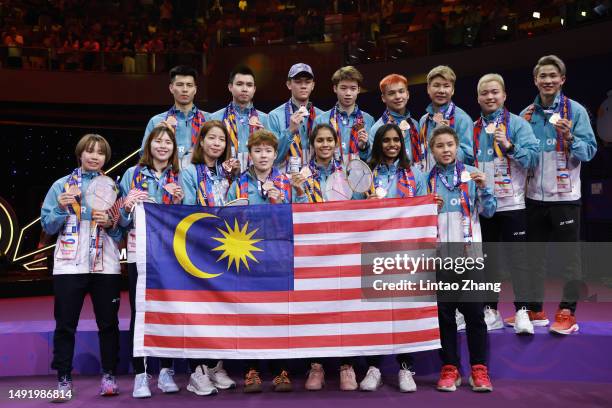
507	393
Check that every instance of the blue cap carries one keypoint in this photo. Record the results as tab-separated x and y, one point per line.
299	68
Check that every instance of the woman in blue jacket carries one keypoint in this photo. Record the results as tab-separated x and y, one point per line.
154	178
462	195
86	260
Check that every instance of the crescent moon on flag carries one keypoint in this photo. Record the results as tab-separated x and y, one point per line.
180	246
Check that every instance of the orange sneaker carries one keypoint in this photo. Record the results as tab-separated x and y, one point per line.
450	378
282	383
479	379
565	322
537	319
252	382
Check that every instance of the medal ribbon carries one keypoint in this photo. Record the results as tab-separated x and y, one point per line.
295	149
334	117
205	193
229	119
197	119
463	194
417	140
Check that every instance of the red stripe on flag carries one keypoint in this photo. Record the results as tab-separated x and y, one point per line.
322	295
346	340
293	320
366	226
363	204
345	249
355	271
327	272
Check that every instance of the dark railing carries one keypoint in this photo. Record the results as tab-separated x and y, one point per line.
52	59
402	41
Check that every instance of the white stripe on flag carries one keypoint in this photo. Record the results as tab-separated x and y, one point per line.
292	353
355	305
327	260
279	331
314	217
361	237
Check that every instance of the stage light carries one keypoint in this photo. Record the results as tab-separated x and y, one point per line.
504	27
562	21
11	230
536	14
601	9
583	13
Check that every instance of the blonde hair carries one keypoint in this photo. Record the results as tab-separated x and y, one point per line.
348	73
550	60
88	143
491	78
442	71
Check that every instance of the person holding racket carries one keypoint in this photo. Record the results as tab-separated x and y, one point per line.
393	177
86	261
324	178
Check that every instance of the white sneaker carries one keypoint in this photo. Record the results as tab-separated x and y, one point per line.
219	377
522	323
372	380
493	319
141	386
460	320
405	380
65	390
199	382
165	381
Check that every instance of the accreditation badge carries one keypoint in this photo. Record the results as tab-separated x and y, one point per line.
131	240
96	249
244	159
502	178
564	182
185	160
69	240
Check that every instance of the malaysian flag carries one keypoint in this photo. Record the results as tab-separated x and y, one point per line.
277	281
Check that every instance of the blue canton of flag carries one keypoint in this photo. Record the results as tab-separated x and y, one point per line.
237	249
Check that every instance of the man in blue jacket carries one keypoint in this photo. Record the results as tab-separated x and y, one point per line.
184	116
566	138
